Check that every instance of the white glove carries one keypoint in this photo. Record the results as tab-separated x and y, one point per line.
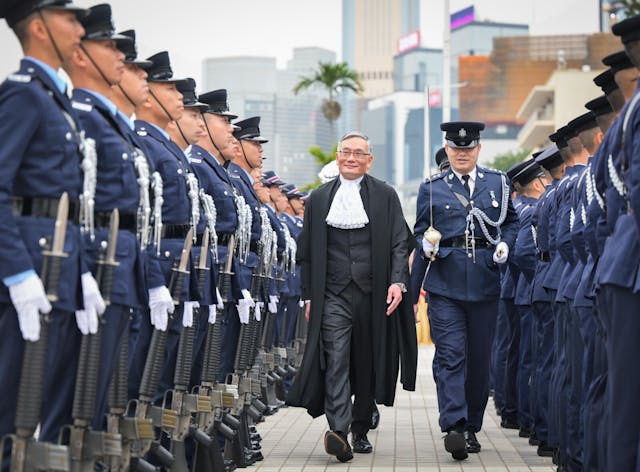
258	310
243	311
501	253
160	305
87	318
429	249
273	304
187	313
29	299
301	303
87	321
212	314
91	294
219	298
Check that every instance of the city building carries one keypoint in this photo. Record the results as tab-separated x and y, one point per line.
293	123
554	104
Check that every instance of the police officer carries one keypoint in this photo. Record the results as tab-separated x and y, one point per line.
530	182
163	106
442	161
247	156
619	263
41	157
470	207
96	66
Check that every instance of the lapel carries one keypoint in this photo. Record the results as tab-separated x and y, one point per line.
169	145
212	162
245	180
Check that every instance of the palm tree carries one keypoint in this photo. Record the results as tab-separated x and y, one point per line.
333	77
631	7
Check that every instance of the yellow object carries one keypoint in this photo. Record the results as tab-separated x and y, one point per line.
422	328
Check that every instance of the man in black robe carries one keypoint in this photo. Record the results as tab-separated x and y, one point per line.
353	252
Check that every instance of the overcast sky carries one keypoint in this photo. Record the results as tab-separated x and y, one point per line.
192	30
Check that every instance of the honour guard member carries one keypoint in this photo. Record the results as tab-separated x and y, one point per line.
470	207
163	106
131	92
530	182
551	160
214	180
97	66
41	157
618	274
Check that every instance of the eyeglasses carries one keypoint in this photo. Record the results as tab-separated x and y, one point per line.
357	154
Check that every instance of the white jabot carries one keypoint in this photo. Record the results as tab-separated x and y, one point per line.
347	210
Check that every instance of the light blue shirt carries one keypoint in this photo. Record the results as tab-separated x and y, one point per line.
105	101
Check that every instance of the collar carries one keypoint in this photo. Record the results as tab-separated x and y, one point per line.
291	217
128	121
247	174
473	174
102	99
163	132
351	181
51	72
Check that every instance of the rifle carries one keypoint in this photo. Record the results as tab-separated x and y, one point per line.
26	453
148	415
224	276
85	445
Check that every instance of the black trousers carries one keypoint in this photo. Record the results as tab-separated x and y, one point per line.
346	335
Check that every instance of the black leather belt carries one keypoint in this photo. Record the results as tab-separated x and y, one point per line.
128	221
175	231
223	239
43	207
461	242
544	256
254	246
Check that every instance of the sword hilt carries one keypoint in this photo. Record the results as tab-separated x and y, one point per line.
201	274
224	285
51	272
176	283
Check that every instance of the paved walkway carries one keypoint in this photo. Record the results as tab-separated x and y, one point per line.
407	439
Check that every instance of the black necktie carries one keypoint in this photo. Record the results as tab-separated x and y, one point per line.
465	184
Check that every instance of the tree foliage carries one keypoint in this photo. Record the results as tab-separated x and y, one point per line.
630	7
333	78
505	160
322	158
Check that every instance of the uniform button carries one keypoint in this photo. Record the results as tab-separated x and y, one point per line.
471	202
470	255
167	254
68	136
225	192
125	156
30	70
447	207
179	171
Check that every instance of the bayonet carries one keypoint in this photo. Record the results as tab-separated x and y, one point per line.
107	261
52	257
179	271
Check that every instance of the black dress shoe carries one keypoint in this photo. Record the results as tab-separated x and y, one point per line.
361	444
509	423
375	417
473	446
456	445
544	450
524	432
335	444
229	465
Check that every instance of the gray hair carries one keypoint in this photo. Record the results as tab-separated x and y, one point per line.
354	134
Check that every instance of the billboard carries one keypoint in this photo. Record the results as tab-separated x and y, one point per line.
409	41
462	17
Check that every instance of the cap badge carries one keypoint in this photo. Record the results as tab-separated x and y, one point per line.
462	133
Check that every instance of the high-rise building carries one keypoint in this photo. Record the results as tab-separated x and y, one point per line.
292	123
370	33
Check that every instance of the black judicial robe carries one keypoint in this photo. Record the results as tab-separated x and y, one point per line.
394	336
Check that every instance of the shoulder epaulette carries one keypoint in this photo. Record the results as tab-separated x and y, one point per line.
81	106
21	78
490	170
437	176
141	132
